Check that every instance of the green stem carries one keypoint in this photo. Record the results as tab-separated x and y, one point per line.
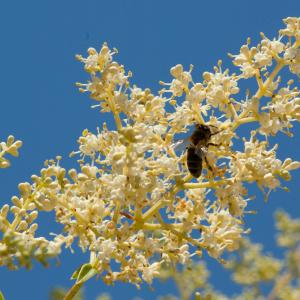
73	291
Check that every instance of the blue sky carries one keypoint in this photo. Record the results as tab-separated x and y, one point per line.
41	105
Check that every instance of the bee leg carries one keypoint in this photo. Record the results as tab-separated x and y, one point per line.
209	167
213	144
214	133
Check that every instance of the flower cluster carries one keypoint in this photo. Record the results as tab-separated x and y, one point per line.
259	164
252	267
11	147
18	244
259	275
132	199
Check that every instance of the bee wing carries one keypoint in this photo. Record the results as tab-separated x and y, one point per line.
181	145
200	151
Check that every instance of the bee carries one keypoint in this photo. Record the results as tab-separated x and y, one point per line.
197	148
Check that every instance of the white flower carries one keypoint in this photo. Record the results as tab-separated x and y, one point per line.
182	117
105	249
292	56
150	271
292	27
244	60
180	84
196	94
276	46
263	59
89	145
219	88
224	232
97	62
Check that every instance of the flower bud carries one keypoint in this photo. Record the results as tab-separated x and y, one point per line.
25	189
22	226
16	201
4	210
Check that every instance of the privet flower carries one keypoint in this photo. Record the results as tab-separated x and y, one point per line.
252	267
258	274
9	147
131	202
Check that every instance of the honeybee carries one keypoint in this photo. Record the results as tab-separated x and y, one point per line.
197	148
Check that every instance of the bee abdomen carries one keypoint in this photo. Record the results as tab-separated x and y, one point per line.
194	162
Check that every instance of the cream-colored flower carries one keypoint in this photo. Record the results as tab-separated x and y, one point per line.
220	86
223	233
245	61
151	271
292	57
292	27
131	201
9	147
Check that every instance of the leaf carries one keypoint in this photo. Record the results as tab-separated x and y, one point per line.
1	296
76	272
84	273
87	272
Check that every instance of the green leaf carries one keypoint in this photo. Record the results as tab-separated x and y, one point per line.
76	273
1	296
84	273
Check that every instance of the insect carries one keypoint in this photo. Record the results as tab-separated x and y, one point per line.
199	141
